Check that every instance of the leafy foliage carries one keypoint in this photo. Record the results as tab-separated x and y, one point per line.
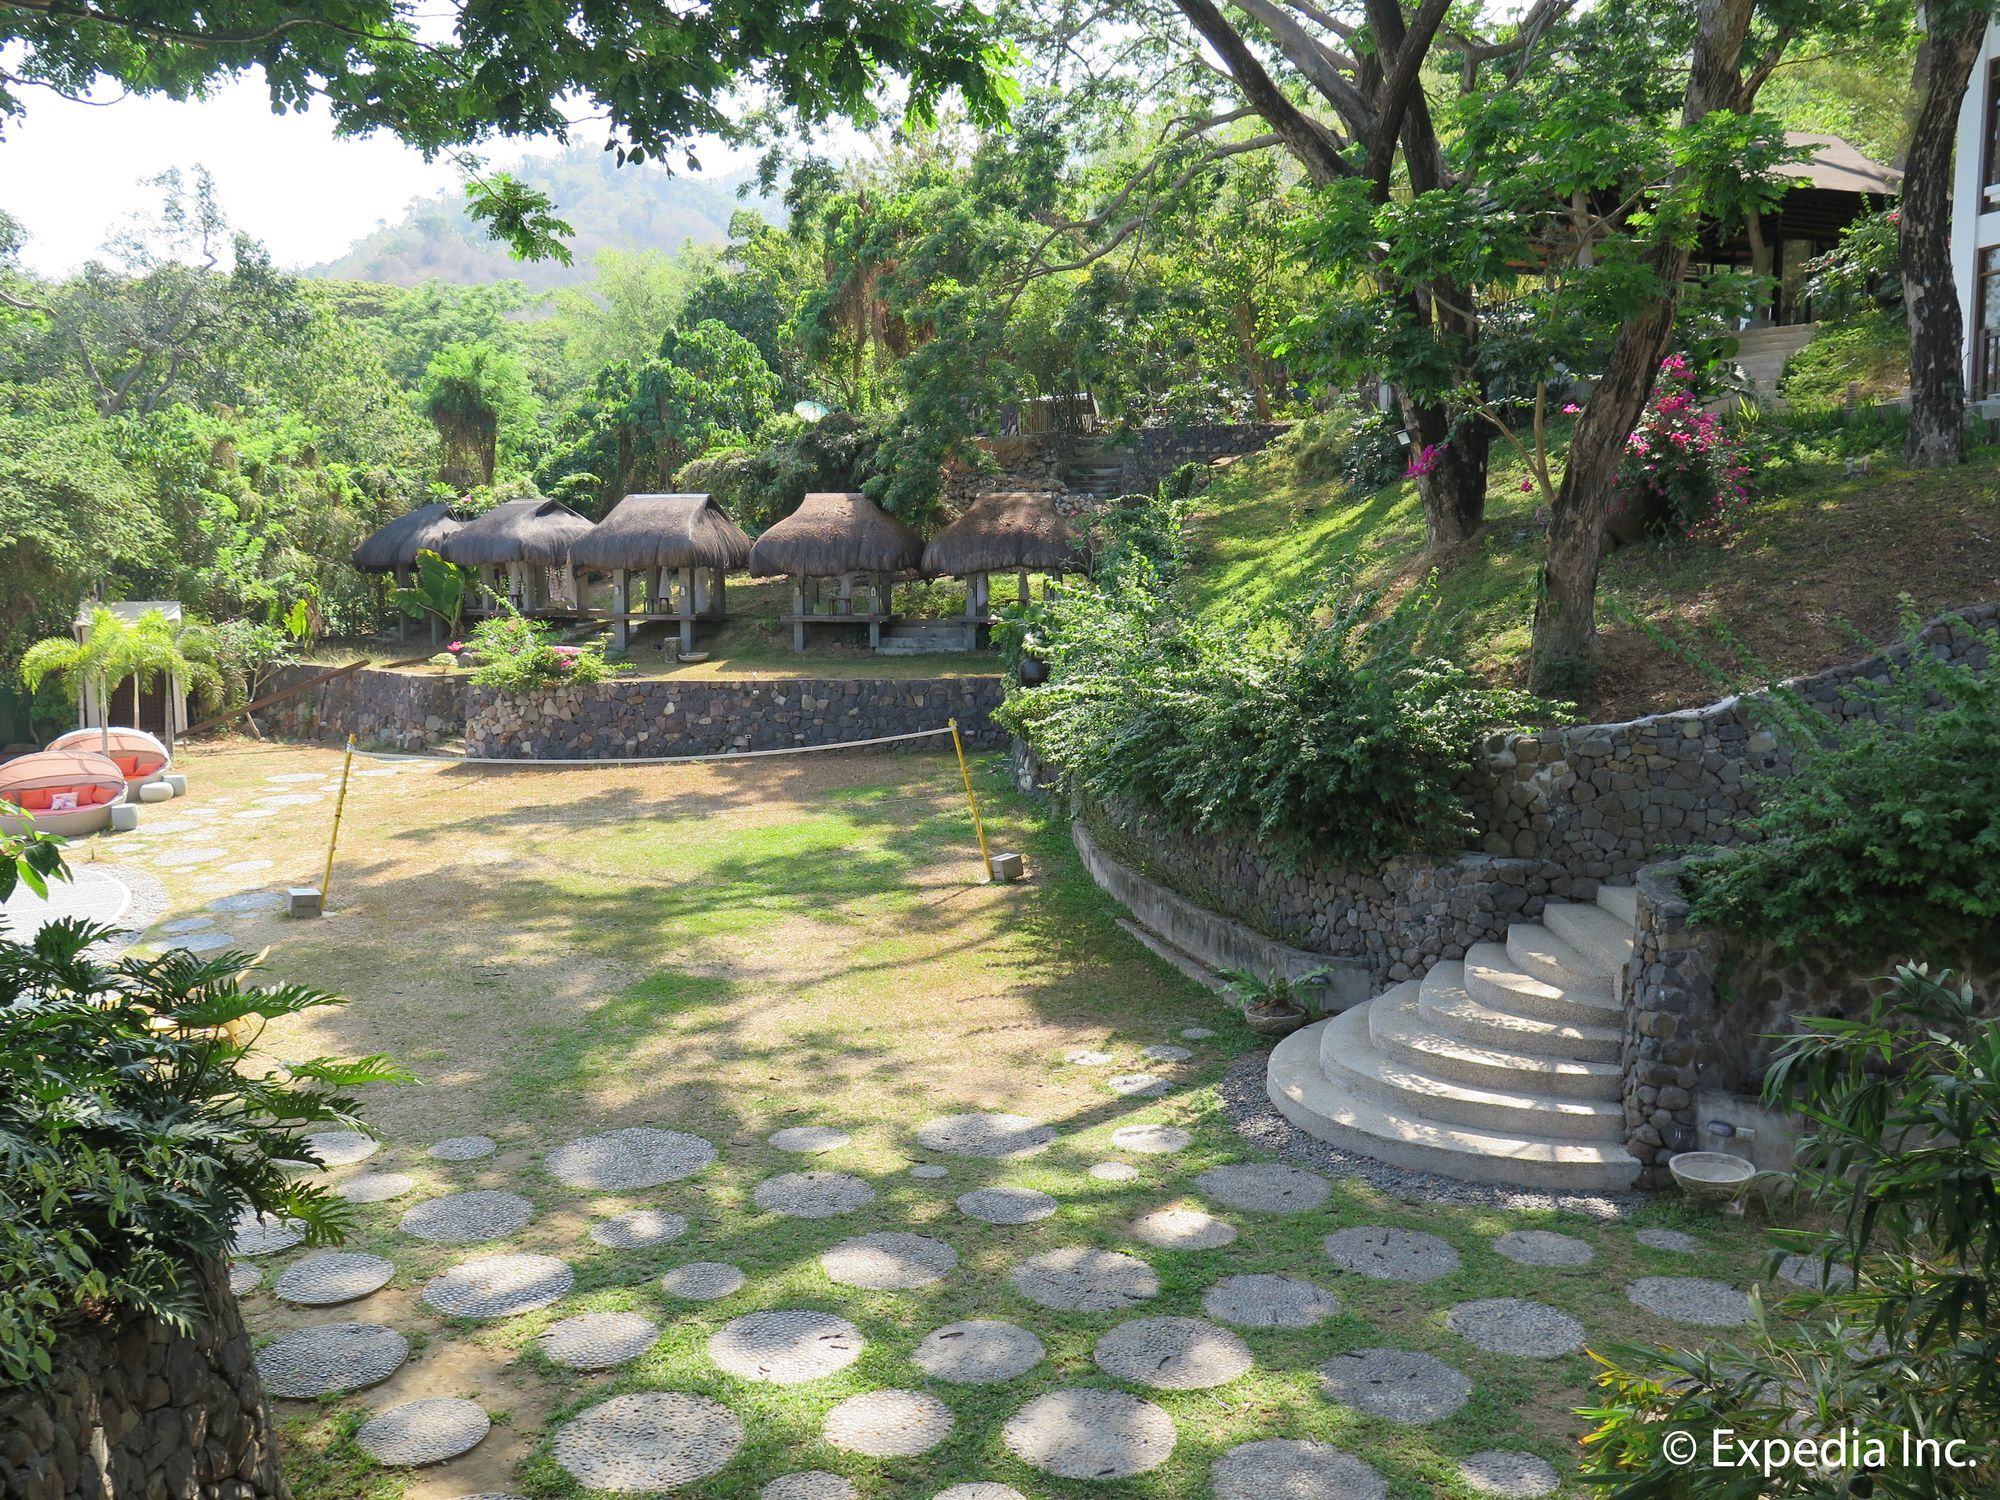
113	650
516	656
439	590
1682	461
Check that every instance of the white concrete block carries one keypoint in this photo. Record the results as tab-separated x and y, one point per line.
156	791
124	818
304	901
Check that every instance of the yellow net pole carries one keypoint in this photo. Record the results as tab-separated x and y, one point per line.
339	806
985	859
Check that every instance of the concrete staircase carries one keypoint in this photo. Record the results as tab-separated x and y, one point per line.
1762	353
1502	1068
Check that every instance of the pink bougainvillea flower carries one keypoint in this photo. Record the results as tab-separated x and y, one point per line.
1425	460
1570	409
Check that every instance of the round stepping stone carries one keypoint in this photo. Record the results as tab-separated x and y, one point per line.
1391	1254
1173	1354
1084	1279
1137	1085
995	1137
1269	1301
1668	1239
286	778
1114	1171
597	1341
1164	1053
888	1424
247	901
892	1261
338	1276
786	1347
1812	1272
1293	1469
247	867
809	1484
467	1218
1507	1325
499	1286
1084	1434
264	1234
463	1148
202	942
810	1140
1088	1057
1514	1476
658	1440
342	1148
243	1278
375	1187
289	799
1196	1033
702	1281
983	1351
1691	1300
1542	1247
423	1432
1265	1188
618	1161
925	1171
1399	1385
1151	1140
1183	1227
180	859
330	1359
984	1489
173	825
254	814
639	1228
187	924
1006	1205
812	1195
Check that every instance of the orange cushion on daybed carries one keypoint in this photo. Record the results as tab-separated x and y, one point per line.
129	764
31	801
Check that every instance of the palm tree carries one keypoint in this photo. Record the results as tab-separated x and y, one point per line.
112	650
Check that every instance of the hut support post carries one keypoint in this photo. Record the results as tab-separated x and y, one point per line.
687	610
1022	594
972	583
621	606
798	613
877	608
401	578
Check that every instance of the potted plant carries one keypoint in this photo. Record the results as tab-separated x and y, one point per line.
1020	631
1275	1006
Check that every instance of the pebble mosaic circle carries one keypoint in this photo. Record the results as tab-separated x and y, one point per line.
375	1187
888	1424
499	1286
1813	1273
243	1278
928	1171
597	1341
1137	1085
1173	1354
787	1347
992	1136
892	1261
658	1440
637	1157
248	901
1399	1385
1513	1476
1293	1469
1391	1254
1542	1247
810	1140
1114	1171
201	942
1269	1301
342	1148
1182	1227
639	1228
467	1218
1151	1140
808	1484
1165	1053
1085	1279
1507	1325
982	1351
337	1276
1265	1188
702	1281
264	1234
1196	1033
1085	1434
1088	1057
423	1432
463	1148
330	1359
985	1489
1006	1205
1668	1239
187	924
1691	1300
812	1195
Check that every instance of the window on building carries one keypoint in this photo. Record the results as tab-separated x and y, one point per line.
1991	176
1986	336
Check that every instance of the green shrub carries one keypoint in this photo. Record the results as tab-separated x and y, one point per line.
1352	445
764	481
1884	839
516	656
1868	354
1318	731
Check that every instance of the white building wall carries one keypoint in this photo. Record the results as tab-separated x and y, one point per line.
1975	209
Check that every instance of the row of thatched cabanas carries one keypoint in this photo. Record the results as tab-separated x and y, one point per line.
678	549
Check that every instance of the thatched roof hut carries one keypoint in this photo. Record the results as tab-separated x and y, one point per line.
397	544
1002	532
663	531
537	532
833	533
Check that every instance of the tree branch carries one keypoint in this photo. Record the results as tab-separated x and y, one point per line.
1315	62
1311	142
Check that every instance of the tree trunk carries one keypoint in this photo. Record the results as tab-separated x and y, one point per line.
1454	492
1565	636
1930	295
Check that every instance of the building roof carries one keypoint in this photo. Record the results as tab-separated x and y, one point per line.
663	531
1835	166
834	532
524	531
1001	531
397	544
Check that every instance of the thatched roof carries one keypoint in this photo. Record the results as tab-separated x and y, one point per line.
397	544
529	531
1833	165
663	531
1002	531
832	533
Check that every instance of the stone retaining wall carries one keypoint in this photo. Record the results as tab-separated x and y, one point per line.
401	710
146	1412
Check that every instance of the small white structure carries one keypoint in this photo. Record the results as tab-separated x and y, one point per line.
160	710
1975	226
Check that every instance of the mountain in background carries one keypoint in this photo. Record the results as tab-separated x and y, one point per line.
612	208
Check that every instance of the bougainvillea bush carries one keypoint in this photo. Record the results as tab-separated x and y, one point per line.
1683	465
516	655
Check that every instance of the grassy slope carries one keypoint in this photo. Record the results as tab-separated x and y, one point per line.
1815	555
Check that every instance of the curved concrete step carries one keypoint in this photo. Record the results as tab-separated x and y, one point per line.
1600	937
1622	901
1443	1001
1349	1059
1360	1124
1399	1031
1493	979
1540	954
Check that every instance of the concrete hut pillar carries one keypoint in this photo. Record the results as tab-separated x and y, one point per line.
798	613
621	606
399	578
687	610
972	582
1021	592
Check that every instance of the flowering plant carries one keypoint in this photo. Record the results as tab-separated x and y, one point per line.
1424	460
515	655
1681	463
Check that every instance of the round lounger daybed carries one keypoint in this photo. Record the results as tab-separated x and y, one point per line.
837	535
679	545
1006	531
528	540
141	757
70	792
394	548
